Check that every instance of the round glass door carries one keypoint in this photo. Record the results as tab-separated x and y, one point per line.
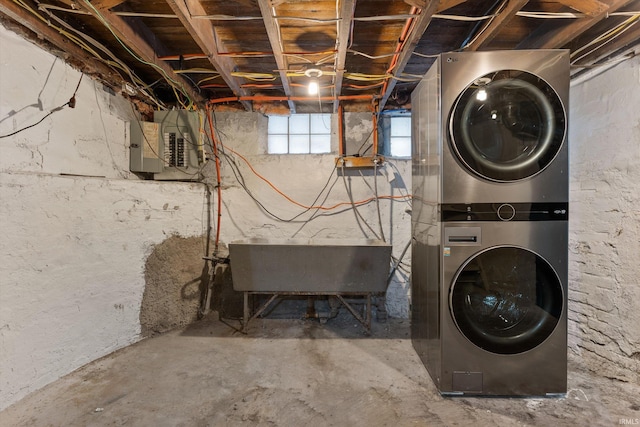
507	125
506	300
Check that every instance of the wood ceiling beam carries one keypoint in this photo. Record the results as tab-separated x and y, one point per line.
106	4
549	36
418	28
274	39
626	40
204	34
347	11
588	7
68	50
442	4
421	4
448	4
497	24
142	42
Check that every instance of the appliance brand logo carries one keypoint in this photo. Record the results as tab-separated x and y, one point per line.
450	59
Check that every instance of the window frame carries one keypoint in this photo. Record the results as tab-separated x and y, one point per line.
299	134
387	138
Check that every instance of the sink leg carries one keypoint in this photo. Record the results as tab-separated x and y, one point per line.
245	313
381	309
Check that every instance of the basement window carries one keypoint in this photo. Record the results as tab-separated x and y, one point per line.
299	134
397	135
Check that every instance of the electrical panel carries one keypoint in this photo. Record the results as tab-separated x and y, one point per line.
171	147
145	147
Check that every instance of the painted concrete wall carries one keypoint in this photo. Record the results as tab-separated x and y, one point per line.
75	226
302	178
604	262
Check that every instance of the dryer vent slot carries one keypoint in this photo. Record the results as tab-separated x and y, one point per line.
457	236
463	239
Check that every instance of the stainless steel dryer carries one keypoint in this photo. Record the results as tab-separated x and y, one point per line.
502	306
504	123
489	301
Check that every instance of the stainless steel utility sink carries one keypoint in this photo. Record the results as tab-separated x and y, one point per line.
310	265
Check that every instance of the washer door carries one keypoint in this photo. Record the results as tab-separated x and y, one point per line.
507	125
506	300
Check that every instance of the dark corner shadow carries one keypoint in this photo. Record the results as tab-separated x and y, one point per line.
343	326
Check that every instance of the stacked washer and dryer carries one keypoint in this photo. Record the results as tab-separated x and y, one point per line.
490	222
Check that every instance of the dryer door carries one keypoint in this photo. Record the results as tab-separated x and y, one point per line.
506	300
507	125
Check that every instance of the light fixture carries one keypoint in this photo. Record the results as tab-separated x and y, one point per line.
313	87
481	95
313	74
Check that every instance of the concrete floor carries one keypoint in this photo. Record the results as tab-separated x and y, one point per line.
295	373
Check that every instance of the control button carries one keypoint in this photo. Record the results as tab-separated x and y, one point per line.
506	212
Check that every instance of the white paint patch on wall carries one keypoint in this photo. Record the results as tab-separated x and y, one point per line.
72	248
604	267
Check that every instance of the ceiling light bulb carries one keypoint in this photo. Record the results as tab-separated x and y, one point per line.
313	87
481	95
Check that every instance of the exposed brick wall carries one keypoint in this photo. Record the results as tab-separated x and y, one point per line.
604	258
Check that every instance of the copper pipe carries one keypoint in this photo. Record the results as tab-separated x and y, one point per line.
401	41
341	147
375	133
219	182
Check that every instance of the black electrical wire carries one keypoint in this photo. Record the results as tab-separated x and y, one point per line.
375	185
357	213
399	261
71	103
317	210
235	169
365	141
407	196
476	28
240	178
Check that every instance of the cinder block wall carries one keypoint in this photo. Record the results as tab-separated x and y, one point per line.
604	262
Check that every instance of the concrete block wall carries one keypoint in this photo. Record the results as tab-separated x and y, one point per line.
76	228
604	259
